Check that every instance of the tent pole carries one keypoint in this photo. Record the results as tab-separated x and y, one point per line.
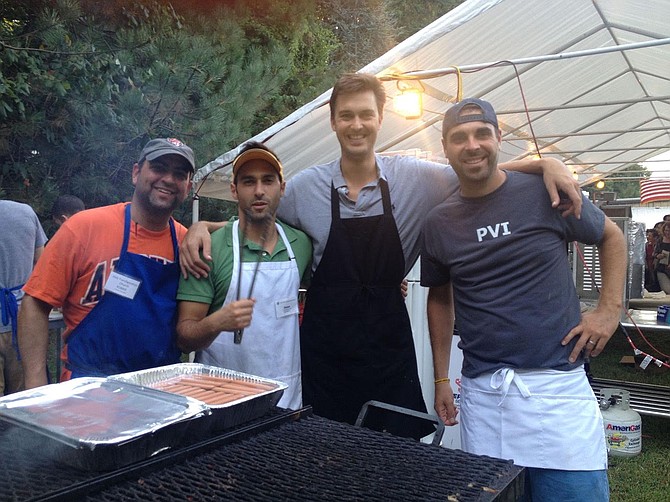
426	74
195	205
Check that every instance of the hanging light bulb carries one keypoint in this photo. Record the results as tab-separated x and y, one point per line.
600	184
409	101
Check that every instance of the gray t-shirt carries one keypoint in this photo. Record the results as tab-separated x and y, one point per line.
20	234
506	255
416	186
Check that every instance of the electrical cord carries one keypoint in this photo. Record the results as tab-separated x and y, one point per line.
521	91
648	357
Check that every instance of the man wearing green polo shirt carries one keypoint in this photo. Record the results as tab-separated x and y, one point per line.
244	315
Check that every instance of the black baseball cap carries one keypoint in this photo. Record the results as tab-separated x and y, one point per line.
453	116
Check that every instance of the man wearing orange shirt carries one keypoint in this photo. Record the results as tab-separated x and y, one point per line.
129	252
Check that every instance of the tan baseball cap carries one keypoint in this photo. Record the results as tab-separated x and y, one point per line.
258	154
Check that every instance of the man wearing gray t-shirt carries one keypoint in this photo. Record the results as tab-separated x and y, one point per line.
22	241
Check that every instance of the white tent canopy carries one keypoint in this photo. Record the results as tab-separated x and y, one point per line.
595	75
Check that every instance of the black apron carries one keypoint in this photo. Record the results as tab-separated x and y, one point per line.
356	338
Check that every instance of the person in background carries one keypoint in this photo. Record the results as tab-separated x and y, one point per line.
254	250
662	259
650	280
129	252
22	241
64	207
494	253
364	214
666	218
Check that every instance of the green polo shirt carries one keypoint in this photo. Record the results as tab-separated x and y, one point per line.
214	288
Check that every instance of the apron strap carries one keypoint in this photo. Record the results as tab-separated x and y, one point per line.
386	195
126	231
237	254
502	379
175	244
334	202
10	307
126	235
335	199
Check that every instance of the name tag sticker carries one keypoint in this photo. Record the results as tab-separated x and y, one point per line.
285	308
122	285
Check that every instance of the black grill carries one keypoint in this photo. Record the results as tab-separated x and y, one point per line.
277	458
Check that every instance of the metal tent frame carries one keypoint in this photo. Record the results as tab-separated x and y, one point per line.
594	74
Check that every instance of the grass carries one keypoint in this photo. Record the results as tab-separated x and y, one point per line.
608	365
53	354
645	477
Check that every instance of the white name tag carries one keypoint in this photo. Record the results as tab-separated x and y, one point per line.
285	308
122	285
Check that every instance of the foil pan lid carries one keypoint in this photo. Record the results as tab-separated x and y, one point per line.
90	411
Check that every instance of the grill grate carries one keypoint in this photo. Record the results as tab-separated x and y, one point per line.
308	459
317	459
24	473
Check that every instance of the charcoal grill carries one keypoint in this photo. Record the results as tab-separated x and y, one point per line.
281	456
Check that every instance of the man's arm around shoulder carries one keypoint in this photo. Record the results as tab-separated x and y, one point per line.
557	178
197	238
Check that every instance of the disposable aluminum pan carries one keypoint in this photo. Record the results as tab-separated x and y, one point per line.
224	416
100	424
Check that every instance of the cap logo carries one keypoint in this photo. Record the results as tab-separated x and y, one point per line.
176	142
164	146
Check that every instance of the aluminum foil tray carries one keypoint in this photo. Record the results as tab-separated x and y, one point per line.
101	424
224	415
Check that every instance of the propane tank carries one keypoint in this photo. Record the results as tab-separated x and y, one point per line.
623	425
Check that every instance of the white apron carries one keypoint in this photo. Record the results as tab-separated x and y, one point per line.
270	345
539	418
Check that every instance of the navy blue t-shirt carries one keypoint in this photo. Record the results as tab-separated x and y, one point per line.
506	255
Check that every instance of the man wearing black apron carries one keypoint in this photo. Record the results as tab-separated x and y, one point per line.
355	315
364	213
114	272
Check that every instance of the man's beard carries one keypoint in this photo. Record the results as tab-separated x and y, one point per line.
154	203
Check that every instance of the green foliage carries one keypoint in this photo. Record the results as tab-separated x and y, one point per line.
310	47
52	81
626	182
83	85
365	30
409	19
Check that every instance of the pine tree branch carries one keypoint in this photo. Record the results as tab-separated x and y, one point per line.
4	46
